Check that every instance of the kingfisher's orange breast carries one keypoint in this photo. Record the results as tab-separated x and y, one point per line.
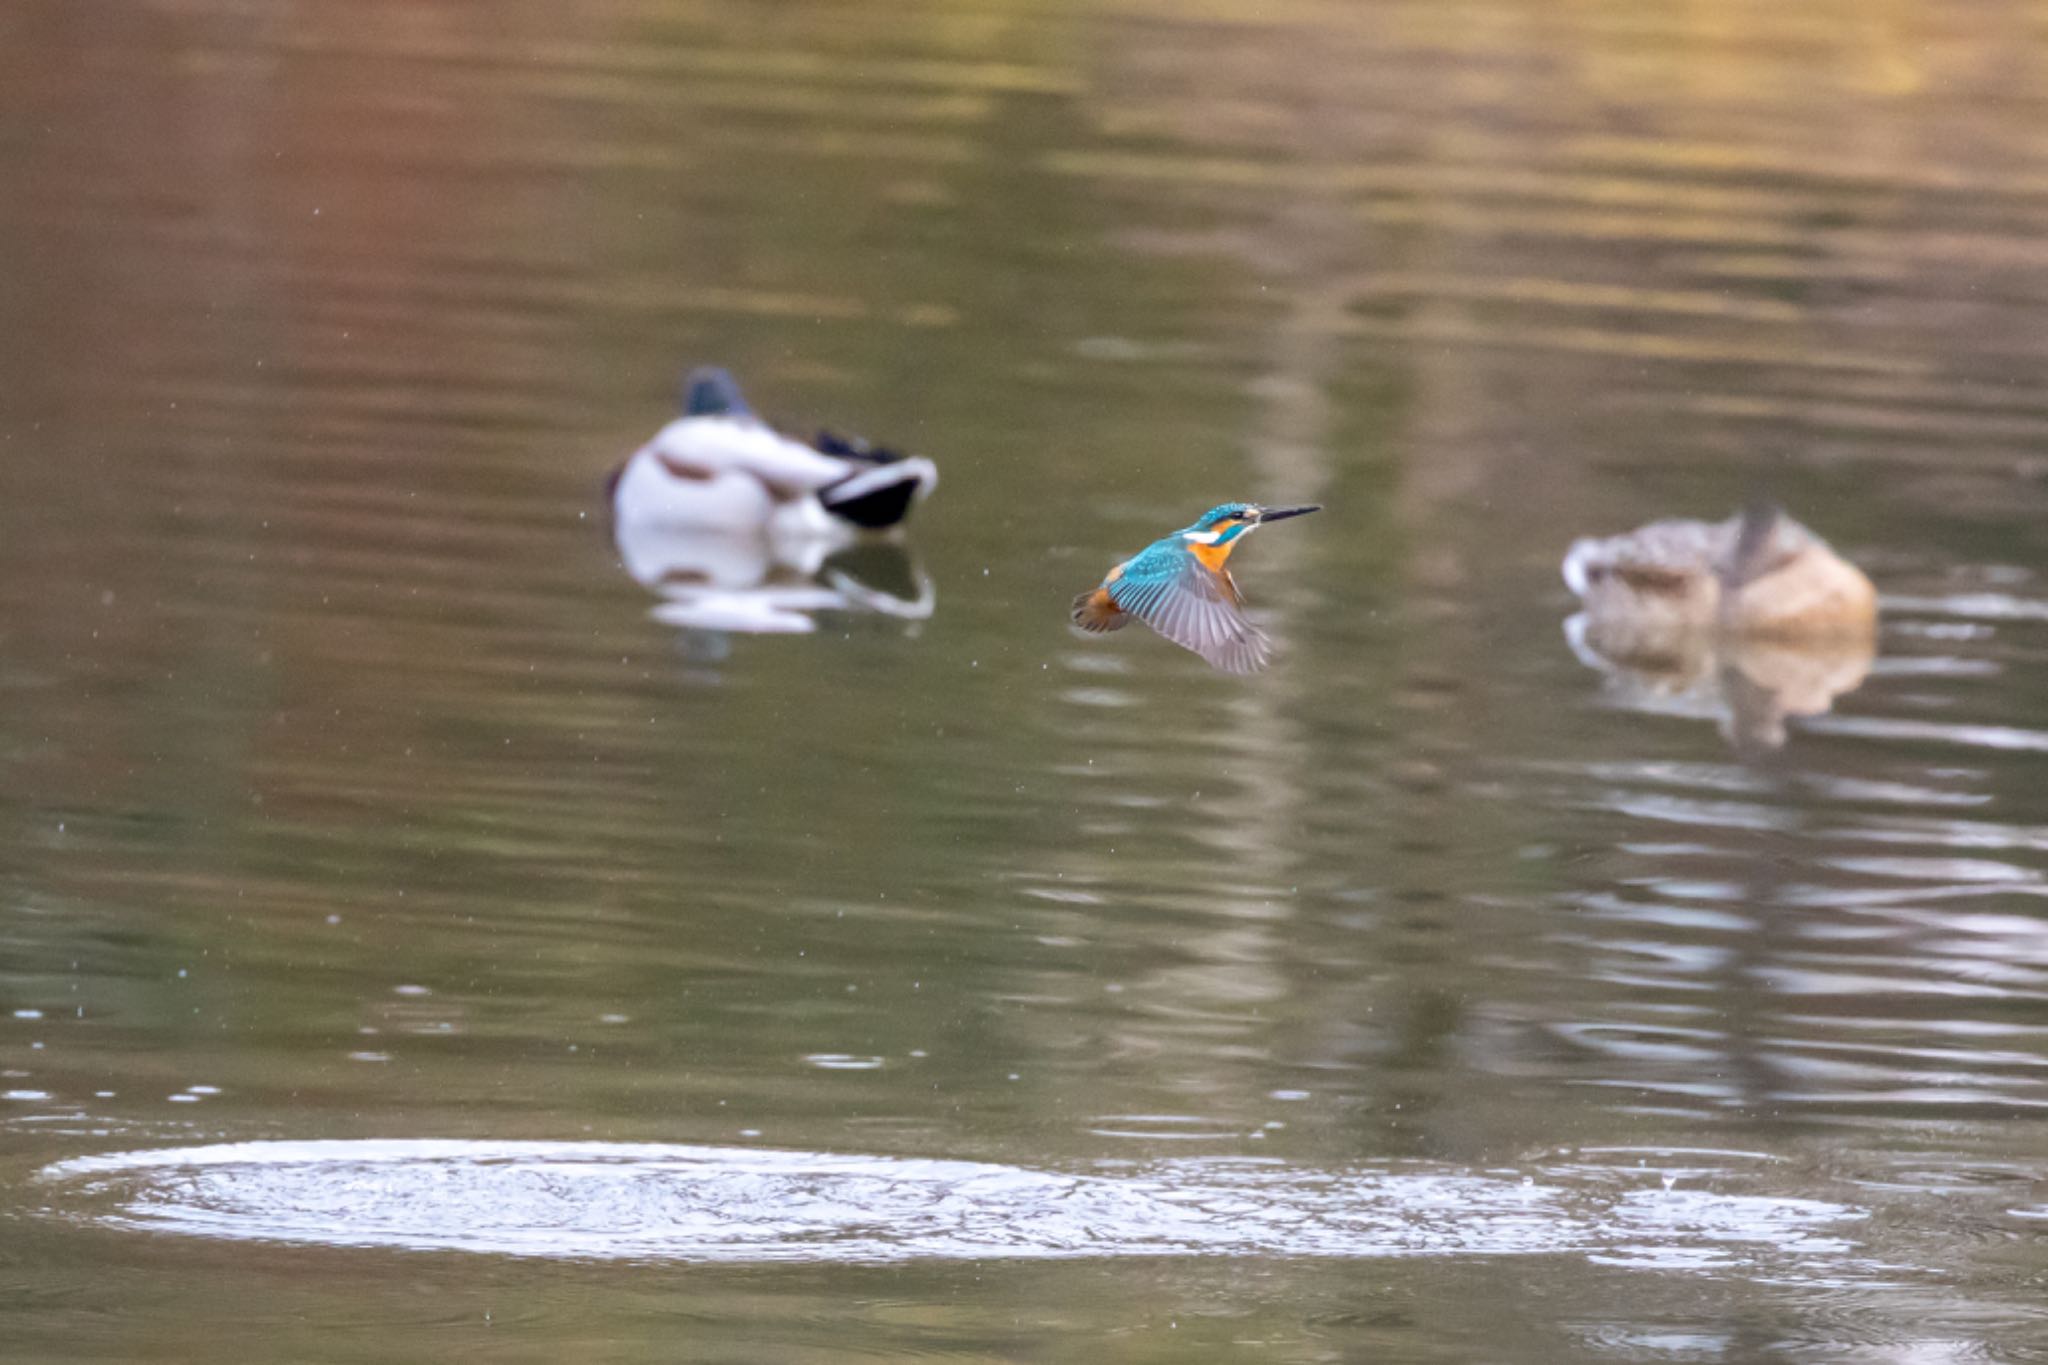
1213	557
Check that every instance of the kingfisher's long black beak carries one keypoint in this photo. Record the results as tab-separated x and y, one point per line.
1267	514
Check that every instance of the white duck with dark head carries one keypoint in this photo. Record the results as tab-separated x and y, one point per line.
718	467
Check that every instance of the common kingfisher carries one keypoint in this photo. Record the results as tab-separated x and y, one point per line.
718	467
1180	587
1758	574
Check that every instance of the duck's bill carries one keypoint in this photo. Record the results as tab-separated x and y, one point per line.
1282	513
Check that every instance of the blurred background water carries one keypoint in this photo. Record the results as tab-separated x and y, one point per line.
350	789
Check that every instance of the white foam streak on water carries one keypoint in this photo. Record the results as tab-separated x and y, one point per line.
607	1201
2003	737
1986	606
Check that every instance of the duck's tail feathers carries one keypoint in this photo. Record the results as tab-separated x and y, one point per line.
1096	610
854	448
712	392
881	496
1581	565
1757	550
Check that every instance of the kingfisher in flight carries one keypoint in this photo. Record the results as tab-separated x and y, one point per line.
1180	587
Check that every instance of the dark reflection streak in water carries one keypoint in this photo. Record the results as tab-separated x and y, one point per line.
1768	855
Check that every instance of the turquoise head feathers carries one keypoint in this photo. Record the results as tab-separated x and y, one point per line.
1225	522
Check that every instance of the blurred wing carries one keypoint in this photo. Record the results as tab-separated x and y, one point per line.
1192	607
695	447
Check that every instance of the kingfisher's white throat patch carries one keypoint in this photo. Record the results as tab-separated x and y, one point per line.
1206	537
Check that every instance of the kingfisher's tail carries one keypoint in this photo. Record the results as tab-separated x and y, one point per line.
1095	610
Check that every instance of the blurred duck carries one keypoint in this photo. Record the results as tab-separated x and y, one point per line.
1759	573
718	467
1178	585
1749	621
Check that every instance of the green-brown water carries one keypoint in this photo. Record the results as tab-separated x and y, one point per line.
949	985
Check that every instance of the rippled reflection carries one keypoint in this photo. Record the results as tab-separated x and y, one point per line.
1748	688
746	582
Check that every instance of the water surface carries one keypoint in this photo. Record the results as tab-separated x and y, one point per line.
352	790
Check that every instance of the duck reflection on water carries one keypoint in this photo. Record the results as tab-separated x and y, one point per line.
739	528
1749	621
755	585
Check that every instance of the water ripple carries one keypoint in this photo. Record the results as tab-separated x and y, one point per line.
607	1201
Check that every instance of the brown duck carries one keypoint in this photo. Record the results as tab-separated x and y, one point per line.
1751	620
1758	574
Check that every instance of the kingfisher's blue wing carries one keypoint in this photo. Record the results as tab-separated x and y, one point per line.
1169	590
